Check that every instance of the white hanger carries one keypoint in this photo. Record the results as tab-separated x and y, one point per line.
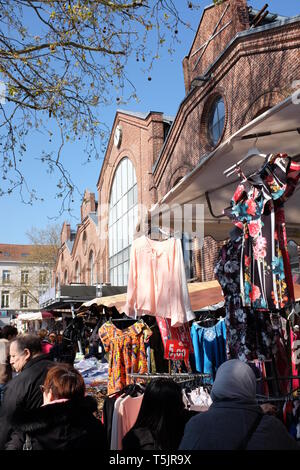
252	152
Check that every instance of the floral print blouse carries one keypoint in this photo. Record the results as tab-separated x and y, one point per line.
257	209
127	352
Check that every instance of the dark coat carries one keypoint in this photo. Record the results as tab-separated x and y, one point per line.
23	391
59	426
226	424
141	438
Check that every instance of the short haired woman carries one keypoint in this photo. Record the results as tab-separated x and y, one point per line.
66	419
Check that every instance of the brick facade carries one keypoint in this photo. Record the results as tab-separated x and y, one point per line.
256	72
252	69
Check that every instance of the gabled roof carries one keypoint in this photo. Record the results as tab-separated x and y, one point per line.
144	116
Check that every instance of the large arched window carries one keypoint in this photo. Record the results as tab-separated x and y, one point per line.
77	272
123	217
91	268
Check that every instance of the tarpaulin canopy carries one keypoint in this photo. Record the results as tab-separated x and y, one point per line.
31	316
277	130
202	295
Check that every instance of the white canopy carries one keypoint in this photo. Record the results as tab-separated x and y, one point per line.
30	316
275	131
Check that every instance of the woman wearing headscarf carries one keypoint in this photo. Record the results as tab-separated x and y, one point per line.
235	421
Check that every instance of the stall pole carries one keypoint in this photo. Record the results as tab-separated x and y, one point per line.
78	342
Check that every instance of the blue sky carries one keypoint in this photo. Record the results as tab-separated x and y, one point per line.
163	93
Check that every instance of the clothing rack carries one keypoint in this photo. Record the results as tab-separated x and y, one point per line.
182	377
289	396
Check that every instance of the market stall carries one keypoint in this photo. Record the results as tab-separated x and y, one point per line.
34	321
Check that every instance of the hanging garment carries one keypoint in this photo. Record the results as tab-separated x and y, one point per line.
295	348
181	333
250	334
197	399
257	208
127	352
128	412
115	424
209	347
107	416
157	281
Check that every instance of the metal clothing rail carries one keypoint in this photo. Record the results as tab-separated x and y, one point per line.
177	377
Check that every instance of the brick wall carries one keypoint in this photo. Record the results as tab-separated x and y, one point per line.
256	72
218	25
205	258
88	204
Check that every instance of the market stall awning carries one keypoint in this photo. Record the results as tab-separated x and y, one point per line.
202	295
276	130
31	316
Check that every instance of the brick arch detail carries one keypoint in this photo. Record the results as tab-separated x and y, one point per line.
180	172
265	100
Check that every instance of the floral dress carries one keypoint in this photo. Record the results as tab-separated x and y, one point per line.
257	208
250	334
127	352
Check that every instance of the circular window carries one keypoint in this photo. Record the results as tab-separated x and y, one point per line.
84	242
216	121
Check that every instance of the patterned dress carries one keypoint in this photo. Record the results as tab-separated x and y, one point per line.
127	352
250	334
257	208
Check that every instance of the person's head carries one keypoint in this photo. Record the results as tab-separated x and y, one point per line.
9	332
42	333
63	381
52	337
235	380
22	349
161	412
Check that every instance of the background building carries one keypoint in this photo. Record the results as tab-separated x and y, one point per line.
242	62
25	276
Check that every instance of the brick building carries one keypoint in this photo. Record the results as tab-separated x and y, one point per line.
241	63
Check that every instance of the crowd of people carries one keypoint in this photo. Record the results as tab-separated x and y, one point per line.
44	406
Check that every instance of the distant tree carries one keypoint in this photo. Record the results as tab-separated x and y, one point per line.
61	62
36	271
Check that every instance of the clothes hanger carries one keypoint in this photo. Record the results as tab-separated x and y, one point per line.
252	152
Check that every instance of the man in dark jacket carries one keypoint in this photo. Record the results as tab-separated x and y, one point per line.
23	391
235	421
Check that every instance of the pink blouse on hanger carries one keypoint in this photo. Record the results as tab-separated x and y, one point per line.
157	281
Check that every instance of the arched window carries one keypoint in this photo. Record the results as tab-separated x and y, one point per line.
77	272
123	218
66	277
91	268
84	242
57	286
216	120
